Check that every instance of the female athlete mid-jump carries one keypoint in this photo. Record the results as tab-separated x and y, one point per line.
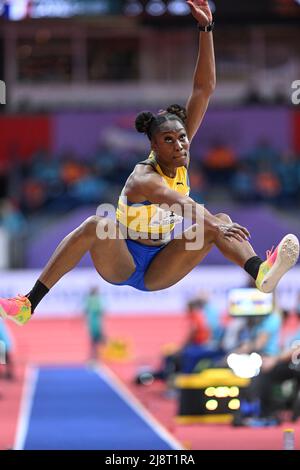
139	251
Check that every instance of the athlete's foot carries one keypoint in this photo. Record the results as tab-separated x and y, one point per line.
277	263
17	309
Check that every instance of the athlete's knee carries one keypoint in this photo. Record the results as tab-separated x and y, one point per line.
106	228
209	235
89	228
224	217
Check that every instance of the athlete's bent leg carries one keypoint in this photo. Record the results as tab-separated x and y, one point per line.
239	252
266	273
110	256
103	252
174	262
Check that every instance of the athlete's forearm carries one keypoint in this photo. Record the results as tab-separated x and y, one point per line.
204	82
199	214
186	207
210	221
205	70
215	225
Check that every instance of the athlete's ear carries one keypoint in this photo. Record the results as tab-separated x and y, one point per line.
154	145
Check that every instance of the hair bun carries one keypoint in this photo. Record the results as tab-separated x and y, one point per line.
178	110
143	121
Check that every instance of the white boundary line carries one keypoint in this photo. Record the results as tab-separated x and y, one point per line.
114	382
30	381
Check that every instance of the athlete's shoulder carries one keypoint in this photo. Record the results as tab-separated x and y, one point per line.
148	162
145	175
141	169
146	167
140	175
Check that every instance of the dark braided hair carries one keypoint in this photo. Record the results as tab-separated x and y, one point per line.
179	111
147	123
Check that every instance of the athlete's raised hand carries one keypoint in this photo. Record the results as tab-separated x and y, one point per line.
201	11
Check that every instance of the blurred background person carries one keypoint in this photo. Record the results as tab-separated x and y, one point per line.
261	335
198	331
94	313
195	346
211	312
275	371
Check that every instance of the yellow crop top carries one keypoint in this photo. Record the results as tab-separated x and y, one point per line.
145	218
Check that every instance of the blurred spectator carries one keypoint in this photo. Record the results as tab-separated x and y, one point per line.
195	345
56	184
261	335
89	189
274	372
211	314
198	184
267	184
94	311
233	334
34	195
12	218
242	183
105	160
287	172
72	171
220	163
262	153
198	325
45	167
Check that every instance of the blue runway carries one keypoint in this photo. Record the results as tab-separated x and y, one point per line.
80	408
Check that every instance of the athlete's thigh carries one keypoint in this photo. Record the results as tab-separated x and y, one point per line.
111	256
175	261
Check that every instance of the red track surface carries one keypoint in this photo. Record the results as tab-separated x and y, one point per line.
66	342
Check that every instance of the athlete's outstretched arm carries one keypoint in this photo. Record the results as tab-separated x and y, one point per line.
154	189
205	71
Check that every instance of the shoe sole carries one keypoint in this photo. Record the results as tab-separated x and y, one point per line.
287	256
4	315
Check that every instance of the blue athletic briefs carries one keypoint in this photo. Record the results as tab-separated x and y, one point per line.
142	255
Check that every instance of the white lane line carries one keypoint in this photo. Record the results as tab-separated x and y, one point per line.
112	380
29	386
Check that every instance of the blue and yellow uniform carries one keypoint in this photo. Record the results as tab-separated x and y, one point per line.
149	221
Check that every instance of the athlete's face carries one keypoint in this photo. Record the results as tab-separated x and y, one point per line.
171	145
